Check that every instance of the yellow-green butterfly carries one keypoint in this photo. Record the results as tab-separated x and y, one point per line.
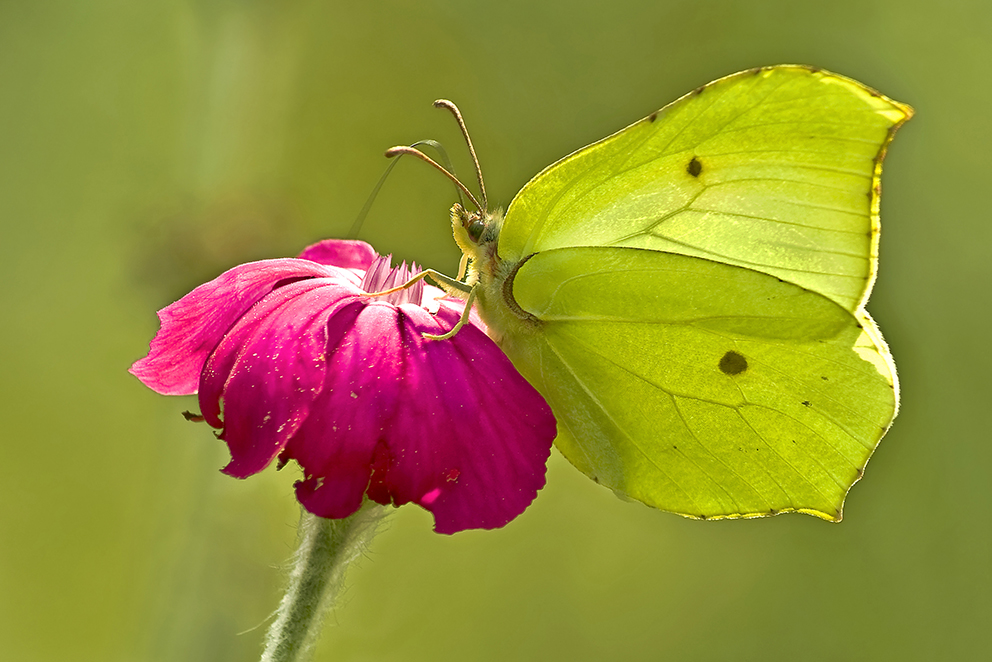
688	295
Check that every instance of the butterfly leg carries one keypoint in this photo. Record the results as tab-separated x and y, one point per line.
461	320
450	285
446	282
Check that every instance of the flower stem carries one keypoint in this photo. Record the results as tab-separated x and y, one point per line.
327	547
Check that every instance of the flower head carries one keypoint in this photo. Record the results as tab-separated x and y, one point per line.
306	366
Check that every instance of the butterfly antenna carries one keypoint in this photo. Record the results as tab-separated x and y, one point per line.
360	219
403	149
453	109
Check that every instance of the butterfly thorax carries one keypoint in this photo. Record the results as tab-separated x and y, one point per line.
477	234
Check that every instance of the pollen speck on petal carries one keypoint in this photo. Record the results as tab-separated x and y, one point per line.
428	499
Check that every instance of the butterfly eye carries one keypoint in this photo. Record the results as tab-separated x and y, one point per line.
475	227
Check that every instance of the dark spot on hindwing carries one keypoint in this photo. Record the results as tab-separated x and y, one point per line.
694	167
733	363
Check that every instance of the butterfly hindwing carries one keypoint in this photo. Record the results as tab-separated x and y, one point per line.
699	387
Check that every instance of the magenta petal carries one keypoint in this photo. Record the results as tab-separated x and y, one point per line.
404	420
472	443
364	381
348	254
269	368
194	325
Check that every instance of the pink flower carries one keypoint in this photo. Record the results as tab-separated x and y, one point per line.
310	368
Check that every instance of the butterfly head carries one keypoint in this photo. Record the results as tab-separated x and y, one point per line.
476	232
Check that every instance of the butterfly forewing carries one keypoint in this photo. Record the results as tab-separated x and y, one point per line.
774	170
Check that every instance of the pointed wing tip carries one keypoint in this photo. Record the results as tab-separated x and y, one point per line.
906	109
898	113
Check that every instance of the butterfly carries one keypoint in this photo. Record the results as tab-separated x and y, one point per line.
688	294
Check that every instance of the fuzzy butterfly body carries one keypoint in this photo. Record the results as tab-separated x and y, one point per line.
688	295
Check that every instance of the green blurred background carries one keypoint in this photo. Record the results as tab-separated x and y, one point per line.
147	146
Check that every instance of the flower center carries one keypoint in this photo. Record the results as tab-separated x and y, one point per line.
382	276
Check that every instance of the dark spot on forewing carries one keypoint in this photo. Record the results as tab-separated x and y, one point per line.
733	363
694	167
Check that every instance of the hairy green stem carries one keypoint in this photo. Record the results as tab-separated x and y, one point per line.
327	547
